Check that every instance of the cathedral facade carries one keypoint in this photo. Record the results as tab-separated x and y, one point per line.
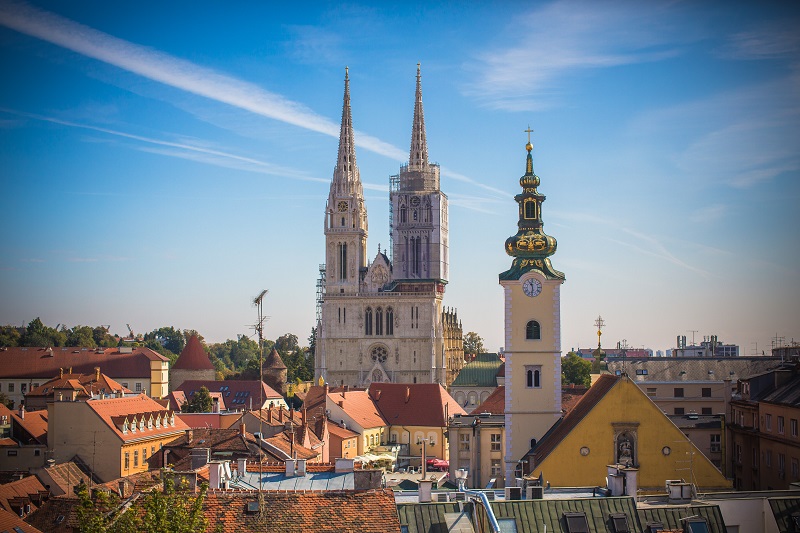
383	320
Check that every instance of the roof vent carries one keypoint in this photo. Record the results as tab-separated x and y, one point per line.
252	507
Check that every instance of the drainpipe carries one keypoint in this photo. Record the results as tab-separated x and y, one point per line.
493	524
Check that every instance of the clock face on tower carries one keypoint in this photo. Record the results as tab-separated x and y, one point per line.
342	206
532	287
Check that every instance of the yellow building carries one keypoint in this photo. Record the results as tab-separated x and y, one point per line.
355	411
113	436
532	301
616	423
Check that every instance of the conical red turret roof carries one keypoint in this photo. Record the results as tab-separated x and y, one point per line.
273	360
193	357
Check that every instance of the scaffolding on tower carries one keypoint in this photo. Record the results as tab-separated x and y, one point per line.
394	186
320	291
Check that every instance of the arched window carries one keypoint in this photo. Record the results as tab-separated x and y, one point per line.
530	209
377	377
533	377
379	321
368	321
533	331
389	321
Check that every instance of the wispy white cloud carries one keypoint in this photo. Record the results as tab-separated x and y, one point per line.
742	137
563	39
314	44
766	41
184	150
175	72
708	213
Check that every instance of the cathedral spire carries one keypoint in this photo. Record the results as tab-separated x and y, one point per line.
346	169
419	145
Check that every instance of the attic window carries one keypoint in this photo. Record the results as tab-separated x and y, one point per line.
508	525
150	423
620	523
125	426
158	420
576	522
654	527
252	507
696	525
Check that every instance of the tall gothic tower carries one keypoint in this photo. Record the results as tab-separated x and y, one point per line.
532	294
345	212
382	321
419	232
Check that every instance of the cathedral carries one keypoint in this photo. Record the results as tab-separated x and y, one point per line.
383	321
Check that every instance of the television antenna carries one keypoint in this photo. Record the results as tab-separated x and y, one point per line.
258	302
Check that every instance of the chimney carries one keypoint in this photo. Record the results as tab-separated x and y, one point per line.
280	413
199	457
343	465
289	467
325	389
215	404
241	464
341	404
189	435
61	372
242	429
301	467
70	370
347	388
21	411
269	415
425	486
408	393
97	373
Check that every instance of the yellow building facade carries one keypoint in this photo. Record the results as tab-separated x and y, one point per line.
616	423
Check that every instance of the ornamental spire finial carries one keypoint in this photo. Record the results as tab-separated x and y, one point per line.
346	168
418	156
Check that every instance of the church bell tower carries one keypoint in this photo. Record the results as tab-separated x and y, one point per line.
532	297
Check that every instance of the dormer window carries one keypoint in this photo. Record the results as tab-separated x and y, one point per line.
141	423
576	522
150	422
172	420
125	427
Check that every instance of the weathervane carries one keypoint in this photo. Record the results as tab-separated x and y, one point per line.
599	323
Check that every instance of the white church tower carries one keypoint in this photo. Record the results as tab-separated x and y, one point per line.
532	296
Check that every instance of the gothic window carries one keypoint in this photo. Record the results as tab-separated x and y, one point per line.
533	331
343	260
342	221
379	321
368	321
389	321
415	215
403	215
379	354
533	377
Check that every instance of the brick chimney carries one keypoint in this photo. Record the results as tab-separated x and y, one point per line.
280	413
242	429
97	373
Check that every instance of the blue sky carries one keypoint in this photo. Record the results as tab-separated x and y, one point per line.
163	163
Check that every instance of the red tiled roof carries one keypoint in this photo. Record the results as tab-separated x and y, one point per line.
64	475
570	396
273	360
45	362
193	357
359	406
22	488
495	403
342	433
562	428
114	411
272	416
237	394
371	511
45	517
8	441
414	404
34	423
85	384
12	522
283	442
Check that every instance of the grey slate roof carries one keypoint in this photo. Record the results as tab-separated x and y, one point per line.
670	369
315	481
482	372
537	516
786	394
430	517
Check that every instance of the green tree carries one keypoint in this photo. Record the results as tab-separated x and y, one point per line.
5	400
173	510
312	343
103	338
82	336
286	343
473	344
10	336
39	335
575	370
169	338
200	402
